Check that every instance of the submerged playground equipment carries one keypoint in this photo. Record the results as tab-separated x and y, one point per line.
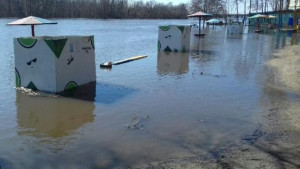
58	64
174	38
53	64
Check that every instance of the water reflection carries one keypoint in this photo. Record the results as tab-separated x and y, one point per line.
51	117
85	92
210	106
234	36
111	93
170	62
294	39
202	56
280	39
104	93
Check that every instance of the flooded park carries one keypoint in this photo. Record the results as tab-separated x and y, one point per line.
233	101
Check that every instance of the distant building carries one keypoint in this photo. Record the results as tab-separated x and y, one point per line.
283	18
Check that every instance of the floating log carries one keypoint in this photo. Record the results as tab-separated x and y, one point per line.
108	65
129	60
199	35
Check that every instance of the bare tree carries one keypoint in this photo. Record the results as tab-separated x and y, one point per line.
210	6
92	9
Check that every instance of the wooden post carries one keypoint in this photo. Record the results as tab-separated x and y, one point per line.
295	20
32	30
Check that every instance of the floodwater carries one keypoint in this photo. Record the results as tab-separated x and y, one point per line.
150	110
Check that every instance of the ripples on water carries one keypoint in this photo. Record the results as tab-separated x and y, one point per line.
161	107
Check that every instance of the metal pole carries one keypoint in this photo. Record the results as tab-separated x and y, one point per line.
199	26
32	30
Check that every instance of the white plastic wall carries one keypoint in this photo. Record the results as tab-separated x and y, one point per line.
234	28
174	38
54	64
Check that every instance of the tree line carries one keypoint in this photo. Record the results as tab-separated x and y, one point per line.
222	7
114	9
128	9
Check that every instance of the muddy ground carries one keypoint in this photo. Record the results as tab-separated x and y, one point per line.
276	141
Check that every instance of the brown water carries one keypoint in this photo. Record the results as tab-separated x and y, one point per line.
164	106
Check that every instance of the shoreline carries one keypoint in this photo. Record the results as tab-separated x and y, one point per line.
275	142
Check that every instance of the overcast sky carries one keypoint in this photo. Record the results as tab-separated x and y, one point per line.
175	2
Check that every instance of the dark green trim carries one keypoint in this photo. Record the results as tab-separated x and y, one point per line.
70	88
92	42
181	28
56	46
168	49
165	28
27	42
158	45
32	86
18	78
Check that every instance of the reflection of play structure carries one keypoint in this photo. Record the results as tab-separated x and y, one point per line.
170	62
51	117
103	93
235	28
